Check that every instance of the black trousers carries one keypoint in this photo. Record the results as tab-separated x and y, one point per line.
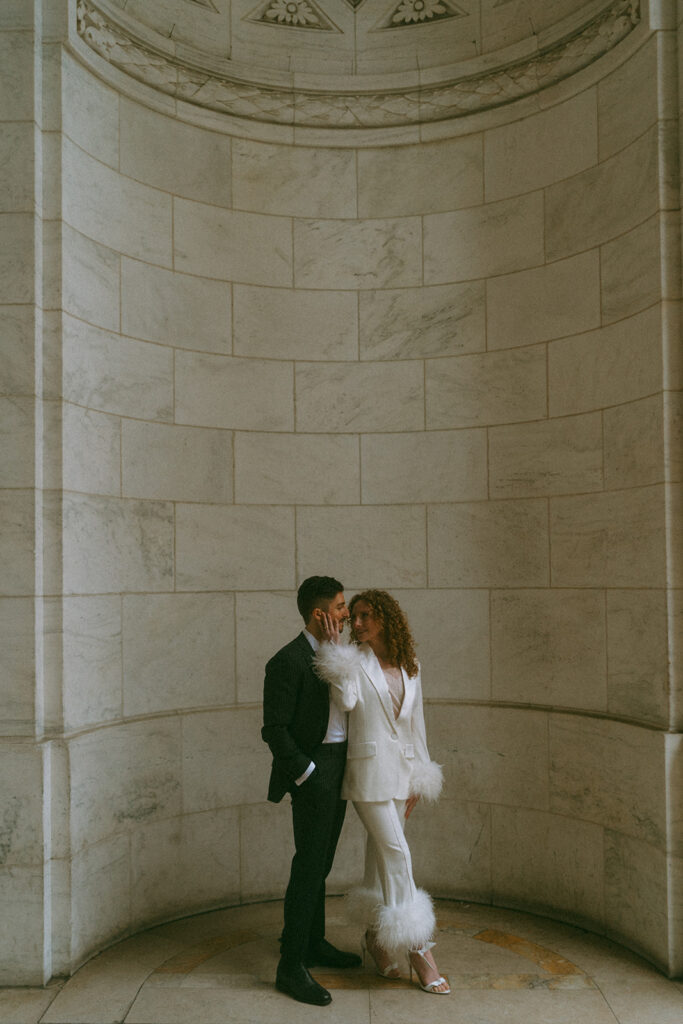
318	815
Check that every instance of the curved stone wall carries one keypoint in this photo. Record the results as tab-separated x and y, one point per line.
434	364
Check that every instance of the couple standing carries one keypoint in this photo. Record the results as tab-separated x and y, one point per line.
366	744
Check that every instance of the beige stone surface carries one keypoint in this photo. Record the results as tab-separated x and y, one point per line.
175	463
634	443
608	366
307	469
17	144
235	393
92	660
16	352
17	663
21	899
636	898
467	854
486	388
430	466
234	547
543	148
496	238
351	397
219	774
16	257
549	647
92	451
175	309
637	77
605	201
543	303
294	181
380	253
16	76
374	546
559	456
90	280
90	112
613	539
637	656
16	543
100	876
178	652
230	245
631	271
431	177
411	323
264	622
17	439
173	156
489	544
20	804
267	845
295	324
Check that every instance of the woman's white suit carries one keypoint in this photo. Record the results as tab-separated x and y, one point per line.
387	762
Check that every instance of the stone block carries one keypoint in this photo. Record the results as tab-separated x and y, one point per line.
350	397
295	324
294	181
381	253
307	469
425	466
176	463
234	393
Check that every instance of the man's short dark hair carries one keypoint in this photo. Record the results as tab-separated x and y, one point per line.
314	590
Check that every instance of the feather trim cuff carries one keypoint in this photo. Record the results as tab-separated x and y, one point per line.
337	662
426	780
408	925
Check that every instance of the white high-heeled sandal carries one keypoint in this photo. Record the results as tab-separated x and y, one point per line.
431	986
382	973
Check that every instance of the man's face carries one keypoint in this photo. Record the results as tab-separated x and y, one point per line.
337	610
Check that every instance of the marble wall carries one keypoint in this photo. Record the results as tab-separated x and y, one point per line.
440	367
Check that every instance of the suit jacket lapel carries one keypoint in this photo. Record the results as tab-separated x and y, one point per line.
408	696
373	670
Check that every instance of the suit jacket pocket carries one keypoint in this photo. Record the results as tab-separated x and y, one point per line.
362	749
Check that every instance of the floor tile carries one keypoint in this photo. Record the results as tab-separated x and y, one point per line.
25	1005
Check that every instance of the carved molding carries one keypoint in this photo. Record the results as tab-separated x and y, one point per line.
420	12
380	109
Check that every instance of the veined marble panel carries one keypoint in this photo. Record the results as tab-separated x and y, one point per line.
17	348
543	148
622	123
92	660
605	201
432	177
637	654
175	463
253	648
295	324
17	542
17	665
489	544
451	630
21	812
634	443
176	157
90	112
615	364
16	257
230	392
460	867
91	451
415	323
613	539
91	288
17	167
17	442
561	456
115	210
217	773
176	309
544	303
100	877
350	397
492	755
384	546
294	181
251	248
631	271
548	863
637	900
113	374
483	241
434	465
124	775
16	76
280	469
380	253
112	545
487	388
548	647
234	548
609	773
178	652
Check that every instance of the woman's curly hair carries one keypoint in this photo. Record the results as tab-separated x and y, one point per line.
397	635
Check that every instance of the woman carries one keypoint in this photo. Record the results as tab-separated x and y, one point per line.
377	680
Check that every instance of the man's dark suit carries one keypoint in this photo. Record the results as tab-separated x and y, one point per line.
296	708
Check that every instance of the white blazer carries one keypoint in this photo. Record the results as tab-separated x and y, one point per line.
387	757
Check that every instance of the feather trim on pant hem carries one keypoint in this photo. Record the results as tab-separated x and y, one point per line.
408	925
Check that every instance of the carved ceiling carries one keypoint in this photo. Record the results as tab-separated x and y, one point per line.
352	63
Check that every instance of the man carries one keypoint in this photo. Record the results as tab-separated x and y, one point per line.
307	737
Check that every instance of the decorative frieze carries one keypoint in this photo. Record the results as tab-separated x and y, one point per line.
456	97
420	12
293	14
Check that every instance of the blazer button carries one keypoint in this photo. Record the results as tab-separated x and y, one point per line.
394	738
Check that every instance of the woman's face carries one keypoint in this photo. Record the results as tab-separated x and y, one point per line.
366	628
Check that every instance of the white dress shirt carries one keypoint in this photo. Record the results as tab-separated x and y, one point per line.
337	724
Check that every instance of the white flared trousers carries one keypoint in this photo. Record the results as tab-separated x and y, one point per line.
401	914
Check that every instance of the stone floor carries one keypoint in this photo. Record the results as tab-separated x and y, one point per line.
504	968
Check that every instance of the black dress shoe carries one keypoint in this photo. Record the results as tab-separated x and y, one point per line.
327	955
295	981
